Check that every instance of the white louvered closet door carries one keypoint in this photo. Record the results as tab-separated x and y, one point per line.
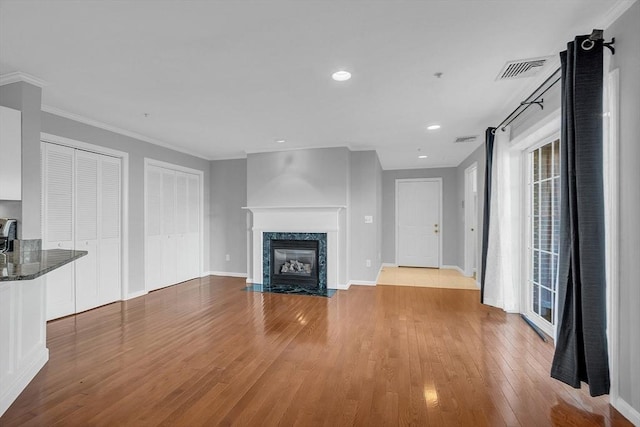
86	230
154	233
193	226
82	210
58	181
169	265
109	231
182	213
173	216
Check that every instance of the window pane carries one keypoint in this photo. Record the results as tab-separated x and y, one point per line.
546	270
536	266
536	296
556	157
546	220
556	214
546	305
535	165
545	162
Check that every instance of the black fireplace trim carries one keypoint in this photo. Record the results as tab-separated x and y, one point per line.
267	236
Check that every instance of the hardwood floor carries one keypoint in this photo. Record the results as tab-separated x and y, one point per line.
207	353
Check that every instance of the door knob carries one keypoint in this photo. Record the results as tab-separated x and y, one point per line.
435	231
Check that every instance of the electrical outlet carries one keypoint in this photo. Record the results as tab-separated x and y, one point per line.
368	263
368	219
228	257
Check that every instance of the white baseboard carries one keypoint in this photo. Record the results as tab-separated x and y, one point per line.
388	264
362	283
224	273
453	267
342	287
627	410
22	379
135	295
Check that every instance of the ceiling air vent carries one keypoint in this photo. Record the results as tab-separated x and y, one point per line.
463	139
522	68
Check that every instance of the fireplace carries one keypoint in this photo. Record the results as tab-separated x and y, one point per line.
294	262
295	259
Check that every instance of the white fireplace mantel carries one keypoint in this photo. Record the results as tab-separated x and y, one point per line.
302	219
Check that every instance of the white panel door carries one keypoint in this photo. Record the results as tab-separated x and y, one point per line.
86	230
109	230
58	182
418	223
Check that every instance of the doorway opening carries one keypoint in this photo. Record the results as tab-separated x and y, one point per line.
471	220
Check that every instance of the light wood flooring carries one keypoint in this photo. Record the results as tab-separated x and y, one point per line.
205	352
425	277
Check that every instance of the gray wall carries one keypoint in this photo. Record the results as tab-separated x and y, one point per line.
627	59
364	200
477	156
450	223
298	178
228	219
28	99
137	150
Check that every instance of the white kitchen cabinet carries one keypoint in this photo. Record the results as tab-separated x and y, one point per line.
11	153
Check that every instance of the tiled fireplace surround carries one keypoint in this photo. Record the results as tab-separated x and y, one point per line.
305	222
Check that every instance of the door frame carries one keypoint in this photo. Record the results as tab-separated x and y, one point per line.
171	166
124	199
469	245
440	221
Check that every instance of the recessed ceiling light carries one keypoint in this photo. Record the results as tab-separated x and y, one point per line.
280	141
341	76
422	156
433	127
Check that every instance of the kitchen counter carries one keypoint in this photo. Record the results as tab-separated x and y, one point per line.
32	264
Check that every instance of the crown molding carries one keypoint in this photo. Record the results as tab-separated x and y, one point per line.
616	11
114	129
19	76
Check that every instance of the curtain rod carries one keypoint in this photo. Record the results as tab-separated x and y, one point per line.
528	102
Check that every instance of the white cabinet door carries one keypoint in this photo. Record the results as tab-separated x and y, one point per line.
193	227
58	188
182	252
86	230
11	149
418	223
109	284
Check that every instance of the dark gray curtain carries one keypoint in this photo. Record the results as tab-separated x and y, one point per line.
488	146
581	346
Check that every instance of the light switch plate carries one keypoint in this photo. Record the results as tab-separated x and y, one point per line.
368	219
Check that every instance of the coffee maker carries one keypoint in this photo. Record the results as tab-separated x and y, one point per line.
8	233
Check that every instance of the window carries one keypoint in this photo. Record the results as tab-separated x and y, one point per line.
544	227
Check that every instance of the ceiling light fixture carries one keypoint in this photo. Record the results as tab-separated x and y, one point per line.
422	156
341	76
433	127
280	141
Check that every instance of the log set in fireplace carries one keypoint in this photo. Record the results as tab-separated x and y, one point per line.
294	262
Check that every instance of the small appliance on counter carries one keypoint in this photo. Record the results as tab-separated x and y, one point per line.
8	233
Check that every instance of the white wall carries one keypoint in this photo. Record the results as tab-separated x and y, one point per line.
311	177
228	219
627	59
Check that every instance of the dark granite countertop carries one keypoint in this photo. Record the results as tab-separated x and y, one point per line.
31	264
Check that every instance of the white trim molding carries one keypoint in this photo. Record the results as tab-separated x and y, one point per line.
137	294
224	274
360	283
453	267
19	76
101	125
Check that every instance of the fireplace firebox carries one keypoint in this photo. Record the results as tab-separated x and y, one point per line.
294	262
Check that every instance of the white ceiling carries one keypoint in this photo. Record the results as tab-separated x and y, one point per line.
220	79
